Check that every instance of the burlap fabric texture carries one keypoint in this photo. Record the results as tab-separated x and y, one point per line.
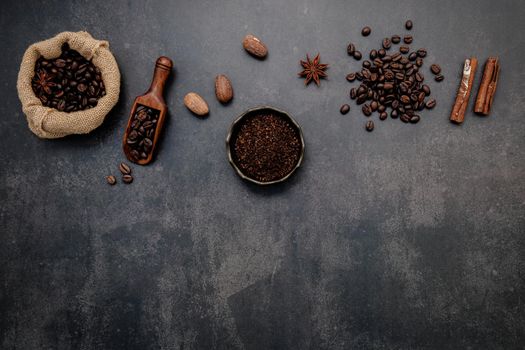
50	123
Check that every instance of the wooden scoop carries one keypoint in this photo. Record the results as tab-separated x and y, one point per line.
146	109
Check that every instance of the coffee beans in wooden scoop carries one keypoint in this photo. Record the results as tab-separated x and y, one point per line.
68	83
141	134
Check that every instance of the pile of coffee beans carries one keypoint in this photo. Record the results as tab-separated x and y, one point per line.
266	147
391	82
141	132
68	83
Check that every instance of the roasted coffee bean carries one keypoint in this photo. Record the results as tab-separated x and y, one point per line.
367	64
366	31
383	115
373	106
353	94
439	78
345	109
350	49
381	53
419	77
373	54
408	24
367	110
359	76
387	44
127	179
407	39
425	89
357	55
111	180
404	49
431	103
124	169
396	39
422	53
414	119
369	126
394	114
350	77
435	68
412	56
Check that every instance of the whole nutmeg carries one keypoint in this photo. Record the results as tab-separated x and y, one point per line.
196	104
223	88
254	46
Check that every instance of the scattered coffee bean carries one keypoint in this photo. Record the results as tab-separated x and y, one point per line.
345	109
383	115
357	55
350	77
409	24
367	110
439	78
68	83
435	68
124	169
408	39
350	49
369	125
422	53
373	54
127	179
366	31
387	44
431	103
404	49
396	39
111	180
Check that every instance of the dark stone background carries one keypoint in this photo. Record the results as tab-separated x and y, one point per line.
410	237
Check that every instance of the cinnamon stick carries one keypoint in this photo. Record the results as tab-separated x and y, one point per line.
487	89
465	88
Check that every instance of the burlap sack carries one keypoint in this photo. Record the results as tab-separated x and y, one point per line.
50	123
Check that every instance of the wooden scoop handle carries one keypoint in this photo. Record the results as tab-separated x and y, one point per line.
163	68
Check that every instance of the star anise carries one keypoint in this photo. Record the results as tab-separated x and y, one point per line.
313	70
44	82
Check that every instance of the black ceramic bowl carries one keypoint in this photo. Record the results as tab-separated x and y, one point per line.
235	127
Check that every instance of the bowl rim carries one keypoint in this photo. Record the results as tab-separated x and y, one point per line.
239	120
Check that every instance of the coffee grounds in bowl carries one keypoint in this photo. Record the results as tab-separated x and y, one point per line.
267	147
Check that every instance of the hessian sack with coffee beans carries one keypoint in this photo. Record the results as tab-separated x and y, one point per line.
47	122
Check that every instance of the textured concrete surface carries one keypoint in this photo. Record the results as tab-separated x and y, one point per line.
410	237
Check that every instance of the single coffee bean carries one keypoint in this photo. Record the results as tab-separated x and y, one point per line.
387	44
111	180
366	31
353	93
367	64
435	68
373	54
350	77
422	53
407	39
394	114
431	103
381	53
419	61
350	49
124	169
426	89
404	49
439	78
414	119
409	24
369	125
412	56
357	55
127	179
383	115
345	109
367	111
396	39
